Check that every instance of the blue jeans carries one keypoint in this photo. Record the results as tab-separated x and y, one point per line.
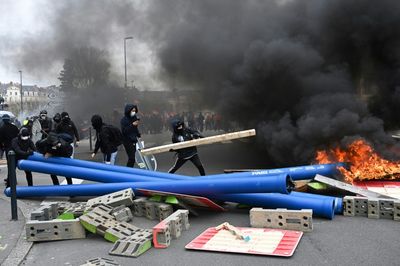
112	159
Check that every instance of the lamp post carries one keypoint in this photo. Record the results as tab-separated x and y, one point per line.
126	38
20	77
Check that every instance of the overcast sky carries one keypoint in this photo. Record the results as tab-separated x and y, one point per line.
25	23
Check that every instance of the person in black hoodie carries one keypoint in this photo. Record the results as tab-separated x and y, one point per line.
182	133
105	140
7	133
130	132
23	147
55	146
57	121
66	126
46	123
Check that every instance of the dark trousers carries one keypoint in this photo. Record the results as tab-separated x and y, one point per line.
130	149
29	180
194	159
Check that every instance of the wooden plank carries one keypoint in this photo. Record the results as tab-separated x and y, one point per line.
199	142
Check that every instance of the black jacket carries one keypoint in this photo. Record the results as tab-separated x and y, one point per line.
46	124
184	135
7	133
104	141
22	148
69	128
64	150
129	132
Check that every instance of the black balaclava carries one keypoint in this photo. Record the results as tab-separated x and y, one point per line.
97	122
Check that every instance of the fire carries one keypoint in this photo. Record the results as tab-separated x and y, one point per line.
364	162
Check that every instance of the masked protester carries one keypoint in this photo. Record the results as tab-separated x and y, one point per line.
55	146
66	126
130	132
7	133
57	121
23	147
46	123
108	138
181	133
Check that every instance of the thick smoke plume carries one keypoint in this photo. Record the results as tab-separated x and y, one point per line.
307	73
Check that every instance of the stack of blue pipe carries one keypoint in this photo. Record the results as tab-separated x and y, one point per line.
264	188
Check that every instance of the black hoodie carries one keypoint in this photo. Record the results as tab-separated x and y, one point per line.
104	136
130	132
23	148
184	134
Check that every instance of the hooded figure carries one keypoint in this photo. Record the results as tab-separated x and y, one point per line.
130	132
105	140
55	146
66	126
7	133
182	133
46	123
57	121
23	147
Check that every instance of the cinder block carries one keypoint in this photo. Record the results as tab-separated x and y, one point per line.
122	197
54	230
300	220
132	246
171	227
163	211
119	230
139	208
150	210
373	208
348	206
45	212
95	220
396	211
100	262
77	209
361	206
122	214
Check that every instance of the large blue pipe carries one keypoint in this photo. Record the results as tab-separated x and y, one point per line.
277	183
82	173
296	173
115	177
321	207
338	201
101	166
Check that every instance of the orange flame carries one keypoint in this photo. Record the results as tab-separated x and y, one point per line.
365	163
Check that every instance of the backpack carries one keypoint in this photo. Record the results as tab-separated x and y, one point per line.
115	133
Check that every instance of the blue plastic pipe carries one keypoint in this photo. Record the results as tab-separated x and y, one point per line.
296	173
115	177
338	201
82	173
277	183
321	207
101	166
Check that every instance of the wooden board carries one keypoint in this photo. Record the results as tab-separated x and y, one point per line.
263	241
199	142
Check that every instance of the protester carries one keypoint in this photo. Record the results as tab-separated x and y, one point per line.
23	147
130	132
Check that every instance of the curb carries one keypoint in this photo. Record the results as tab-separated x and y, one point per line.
22	247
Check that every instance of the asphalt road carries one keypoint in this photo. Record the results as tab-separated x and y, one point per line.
342	241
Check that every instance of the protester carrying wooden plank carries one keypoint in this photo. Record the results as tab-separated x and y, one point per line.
181	134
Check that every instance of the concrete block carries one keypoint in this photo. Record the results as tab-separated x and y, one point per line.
150	210
171	227
139	208
361	206
100	262
396	211
54	230
348	206
132	246
122	214
122	197
373	208
119	230
45	212
299	220
163	211
95	220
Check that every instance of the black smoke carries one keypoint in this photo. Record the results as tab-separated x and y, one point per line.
307	74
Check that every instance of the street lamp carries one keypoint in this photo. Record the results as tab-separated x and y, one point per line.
20	77
126	38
